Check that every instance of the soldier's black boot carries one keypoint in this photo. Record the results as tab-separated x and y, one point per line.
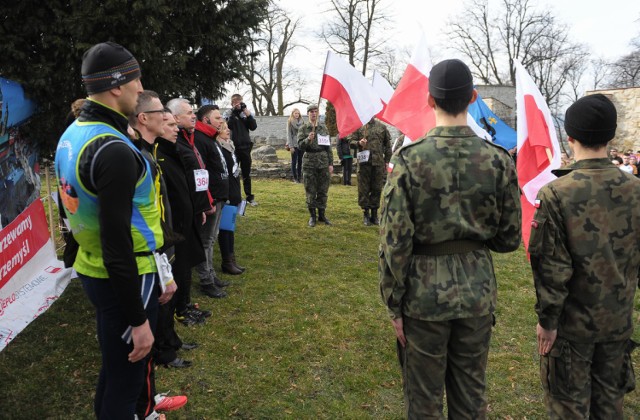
374	217
366	219
312	219
322	217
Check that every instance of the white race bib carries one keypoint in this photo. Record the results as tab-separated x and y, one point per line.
202	179
324	140
363	156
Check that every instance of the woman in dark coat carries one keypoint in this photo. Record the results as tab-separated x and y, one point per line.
226	238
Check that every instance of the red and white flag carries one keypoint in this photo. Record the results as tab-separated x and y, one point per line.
538	147
353	97
407	109
384	91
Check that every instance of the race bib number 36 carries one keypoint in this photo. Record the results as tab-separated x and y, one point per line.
323	140
202	179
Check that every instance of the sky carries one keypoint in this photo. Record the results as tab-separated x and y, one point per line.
605	26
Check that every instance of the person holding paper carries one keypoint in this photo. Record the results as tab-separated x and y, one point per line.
226	237
373	142
317	164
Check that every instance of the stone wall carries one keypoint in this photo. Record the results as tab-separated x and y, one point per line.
501	100
627	102
271	131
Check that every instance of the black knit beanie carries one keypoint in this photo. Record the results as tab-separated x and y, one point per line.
450	79
591	120
108	65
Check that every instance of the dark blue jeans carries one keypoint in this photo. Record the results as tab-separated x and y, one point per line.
121	382
296	164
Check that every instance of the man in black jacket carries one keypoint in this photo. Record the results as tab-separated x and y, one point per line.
100	172
240	122
197	174
207	125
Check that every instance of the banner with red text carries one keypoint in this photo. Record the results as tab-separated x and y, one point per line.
31	277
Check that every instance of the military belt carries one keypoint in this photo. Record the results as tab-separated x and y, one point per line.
460	246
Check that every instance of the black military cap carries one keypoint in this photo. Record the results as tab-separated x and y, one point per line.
591	119
450	79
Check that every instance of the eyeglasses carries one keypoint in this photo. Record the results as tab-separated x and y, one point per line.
150	112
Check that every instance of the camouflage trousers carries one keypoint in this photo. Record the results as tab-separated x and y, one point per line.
451	354
370	182
316	186
587	380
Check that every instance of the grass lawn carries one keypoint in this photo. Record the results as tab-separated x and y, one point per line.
302	335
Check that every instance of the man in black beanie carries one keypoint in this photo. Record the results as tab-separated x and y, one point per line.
450	198
585	257
107	190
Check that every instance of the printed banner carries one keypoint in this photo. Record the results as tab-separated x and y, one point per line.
31	277
19	169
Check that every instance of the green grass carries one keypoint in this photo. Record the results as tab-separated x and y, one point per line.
302	335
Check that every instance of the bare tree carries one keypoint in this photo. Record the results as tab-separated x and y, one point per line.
267	76
600	70
493	41
350	32
625	72
391	63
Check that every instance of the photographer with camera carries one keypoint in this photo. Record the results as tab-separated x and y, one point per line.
240	122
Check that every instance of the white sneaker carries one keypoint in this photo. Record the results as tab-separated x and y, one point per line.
253	203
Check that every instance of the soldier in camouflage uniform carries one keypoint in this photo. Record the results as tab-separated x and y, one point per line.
450	198
585	256
373	143
317	165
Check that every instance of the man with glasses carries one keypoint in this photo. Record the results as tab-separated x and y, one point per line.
148	123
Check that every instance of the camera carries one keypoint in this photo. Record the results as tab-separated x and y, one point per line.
243	106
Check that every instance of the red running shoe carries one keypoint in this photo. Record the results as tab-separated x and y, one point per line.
165	403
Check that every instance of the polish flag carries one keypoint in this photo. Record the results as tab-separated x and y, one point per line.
353	97
538	147
384	91
407	109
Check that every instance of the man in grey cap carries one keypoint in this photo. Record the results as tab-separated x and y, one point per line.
108	193
450	199
317	165
585	257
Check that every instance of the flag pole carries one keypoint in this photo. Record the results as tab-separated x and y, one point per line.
324	71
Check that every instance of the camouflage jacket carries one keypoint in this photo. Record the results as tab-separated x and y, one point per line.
585	251
315	156
450	185
378	142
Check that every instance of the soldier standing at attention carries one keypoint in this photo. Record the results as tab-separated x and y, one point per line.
373	142
317	164
450	198
585	258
